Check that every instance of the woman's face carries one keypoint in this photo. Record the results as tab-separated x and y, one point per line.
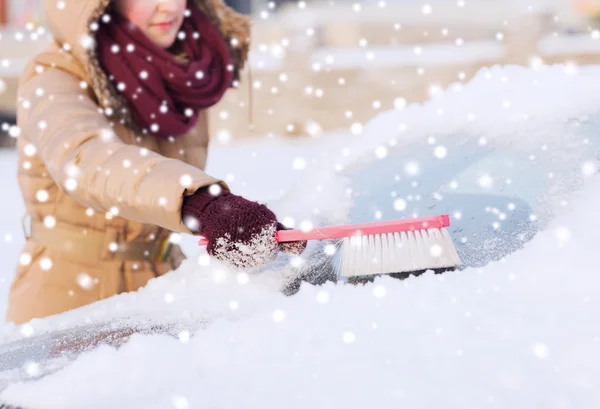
160	20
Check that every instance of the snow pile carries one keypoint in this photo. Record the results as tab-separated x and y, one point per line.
509	106
517	333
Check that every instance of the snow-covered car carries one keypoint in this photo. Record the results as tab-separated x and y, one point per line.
504	156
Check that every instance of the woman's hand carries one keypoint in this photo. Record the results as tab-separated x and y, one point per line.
240	233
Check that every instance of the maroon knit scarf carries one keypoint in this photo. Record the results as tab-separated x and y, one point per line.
165	95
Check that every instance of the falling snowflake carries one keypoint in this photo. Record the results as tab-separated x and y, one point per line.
27	330
184	337
288	222
14	131
329	249
412	168
435	250
381	152
356	128
32	369
243	278
379	291
399	103
306	226
299	164
435	90
588	169
25	259
313	129
400	205
562	234
323	297
348	337
180	402
541	350
224	136
85	281
70	184
440	152
185	181
215	189
278	316
49	222
46	263
485	181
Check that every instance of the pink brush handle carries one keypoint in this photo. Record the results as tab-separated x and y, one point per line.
363	229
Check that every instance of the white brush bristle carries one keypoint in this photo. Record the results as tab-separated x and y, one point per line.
398	252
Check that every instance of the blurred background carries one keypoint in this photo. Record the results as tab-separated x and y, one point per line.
322	66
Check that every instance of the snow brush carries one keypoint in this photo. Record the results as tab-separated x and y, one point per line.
388	247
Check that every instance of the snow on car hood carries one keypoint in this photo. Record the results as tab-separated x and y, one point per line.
514	333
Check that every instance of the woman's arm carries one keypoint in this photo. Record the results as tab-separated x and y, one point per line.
83	156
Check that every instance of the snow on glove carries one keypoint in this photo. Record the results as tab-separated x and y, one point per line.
294	248
240	233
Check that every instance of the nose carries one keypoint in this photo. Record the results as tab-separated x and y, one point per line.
167	5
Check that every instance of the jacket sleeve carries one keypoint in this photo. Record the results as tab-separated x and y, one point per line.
87	160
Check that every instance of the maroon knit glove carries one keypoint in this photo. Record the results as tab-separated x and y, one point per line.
240	233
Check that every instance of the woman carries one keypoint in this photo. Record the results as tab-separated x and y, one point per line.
112	149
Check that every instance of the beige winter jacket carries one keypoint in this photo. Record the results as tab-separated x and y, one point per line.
102	199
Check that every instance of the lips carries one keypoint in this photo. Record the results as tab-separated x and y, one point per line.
165	25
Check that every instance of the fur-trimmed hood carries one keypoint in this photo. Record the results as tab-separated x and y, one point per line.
72	23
